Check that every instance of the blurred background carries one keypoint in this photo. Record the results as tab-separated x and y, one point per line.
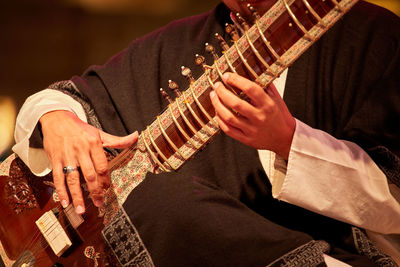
44	41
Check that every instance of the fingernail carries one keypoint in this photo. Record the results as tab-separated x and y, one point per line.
226	75
212	94
98	203
79	209
217	84
64	203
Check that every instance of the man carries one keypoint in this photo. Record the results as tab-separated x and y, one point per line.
218	210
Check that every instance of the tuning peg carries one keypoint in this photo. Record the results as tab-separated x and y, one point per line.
165	95
174	87
187	73
210	49
242	21
199	60
236	24
222	42
230	29
253	11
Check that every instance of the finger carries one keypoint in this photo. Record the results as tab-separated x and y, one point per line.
72	178
251	89
225	114
75	190
92	178
100	163
231	131
233	102
272	91
59	183
117	141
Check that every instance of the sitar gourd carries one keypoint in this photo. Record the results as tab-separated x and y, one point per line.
260	52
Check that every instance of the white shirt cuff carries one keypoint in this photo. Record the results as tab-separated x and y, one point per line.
335	178
34	107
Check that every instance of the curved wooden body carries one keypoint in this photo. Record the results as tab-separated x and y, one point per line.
23	199
187	125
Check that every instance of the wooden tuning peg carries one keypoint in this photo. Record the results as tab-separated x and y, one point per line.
174	87
230	29
165	95
222	42
242	22
186	72
210	49
199	60
253	11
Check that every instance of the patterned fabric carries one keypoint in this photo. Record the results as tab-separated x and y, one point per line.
125	242
310	254
388	162
4	171
365	247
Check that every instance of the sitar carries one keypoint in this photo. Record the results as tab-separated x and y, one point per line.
36	231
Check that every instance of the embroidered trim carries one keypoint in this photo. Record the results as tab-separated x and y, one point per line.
366	248
125	242
388	162
309	254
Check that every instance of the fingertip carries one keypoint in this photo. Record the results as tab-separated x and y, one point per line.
98	202
64	203
226	76
212	94
217	85
80	209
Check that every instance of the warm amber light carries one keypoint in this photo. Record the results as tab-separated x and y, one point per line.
393	5
7	121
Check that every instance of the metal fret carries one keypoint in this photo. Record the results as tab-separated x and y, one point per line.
152	155
314	13
220	76
268	44
298	23
158	149
191	127
183	132
172	144
257	78
337	5
195	115
258	55
231	67
212	121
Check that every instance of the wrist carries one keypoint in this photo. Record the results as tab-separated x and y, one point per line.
286	142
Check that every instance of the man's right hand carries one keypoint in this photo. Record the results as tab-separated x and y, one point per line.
68	141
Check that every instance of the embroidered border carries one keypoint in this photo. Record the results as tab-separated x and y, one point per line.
125	242
365	247
388	162
309	254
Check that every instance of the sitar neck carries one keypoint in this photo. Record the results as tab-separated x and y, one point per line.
261	54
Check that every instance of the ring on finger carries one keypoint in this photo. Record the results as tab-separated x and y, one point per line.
69	169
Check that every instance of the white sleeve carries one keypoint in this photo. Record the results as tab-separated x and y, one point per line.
34	107
335	178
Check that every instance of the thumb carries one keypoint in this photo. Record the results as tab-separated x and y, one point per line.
118	141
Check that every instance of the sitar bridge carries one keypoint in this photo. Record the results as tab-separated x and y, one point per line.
54	233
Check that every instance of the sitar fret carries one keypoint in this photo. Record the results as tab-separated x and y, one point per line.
278	40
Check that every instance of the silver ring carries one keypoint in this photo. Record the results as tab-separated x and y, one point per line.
69	169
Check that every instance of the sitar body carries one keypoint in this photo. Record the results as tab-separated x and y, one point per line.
263	52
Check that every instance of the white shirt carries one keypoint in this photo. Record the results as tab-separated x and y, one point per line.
332	177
